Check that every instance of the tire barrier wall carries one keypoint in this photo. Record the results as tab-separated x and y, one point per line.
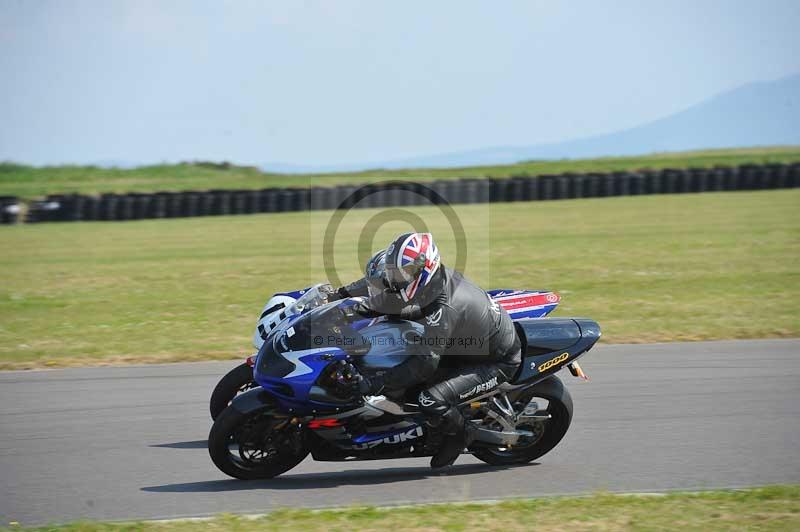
9	209
72	208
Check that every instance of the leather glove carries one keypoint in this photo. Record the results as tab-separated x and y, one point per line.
347	376
371	386
338	294
334	296
327	290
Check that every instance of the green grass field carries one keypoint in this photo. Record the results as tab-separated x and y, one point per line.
648	268
773	508
29	182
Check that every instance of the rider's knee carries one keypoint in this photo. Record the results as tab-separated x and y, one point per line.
432	403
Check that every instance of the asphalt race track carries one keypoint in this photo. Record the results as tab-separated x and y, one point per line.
129	442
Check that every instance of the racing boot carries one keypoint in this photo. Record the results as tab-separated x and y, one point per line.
455	438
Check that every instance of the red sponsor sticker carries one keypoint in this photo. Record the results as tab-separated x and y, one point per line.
521	302
529	300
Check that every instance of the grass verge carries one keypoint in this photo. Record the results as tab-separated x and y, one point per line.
30	182
771	508
647	268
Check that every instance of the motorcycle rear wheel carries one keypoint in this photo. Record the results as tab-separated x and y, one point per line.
251	446
238	380
547	434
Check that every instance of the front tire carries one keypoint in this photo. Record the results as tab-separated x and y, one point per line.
254	445
238	380
547	434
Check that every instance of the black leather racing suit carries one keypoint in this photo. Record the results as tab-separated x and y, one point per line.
466	334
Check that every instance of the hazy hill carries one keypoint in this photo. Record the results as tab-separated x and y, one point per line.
756	114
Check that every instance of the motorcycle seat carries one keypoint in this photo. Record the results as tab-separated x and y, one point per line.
545	335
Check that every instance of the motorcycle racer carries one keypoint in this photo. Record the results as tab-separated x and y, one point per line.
464	331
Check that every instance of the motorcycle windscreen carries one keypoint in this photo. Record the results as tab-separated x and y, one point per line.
329	326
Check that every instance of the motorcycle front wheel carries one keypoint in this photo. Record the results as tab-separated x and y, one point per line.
238	380
255	445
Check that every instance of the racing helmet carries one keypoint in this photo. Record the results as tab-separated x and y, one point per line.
375	273
412	259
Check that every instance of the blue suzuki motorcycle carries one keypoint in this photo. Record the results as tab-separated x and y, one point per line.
300	405
518	303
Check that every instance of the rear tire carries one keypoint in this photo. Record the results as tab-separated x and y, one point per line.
232	426
560	409
238	380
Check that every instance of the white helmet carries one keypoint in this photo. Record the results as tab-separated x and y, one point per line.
271	316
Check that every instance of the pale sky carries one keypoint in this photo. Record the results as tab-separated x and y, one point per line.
332	82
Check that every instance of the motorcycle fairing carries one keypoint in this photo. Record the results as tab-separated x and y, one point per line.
522	304
551	343
295	354
293	294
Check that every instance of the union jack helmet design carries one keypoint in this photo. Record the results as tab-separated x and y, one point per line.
411	261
